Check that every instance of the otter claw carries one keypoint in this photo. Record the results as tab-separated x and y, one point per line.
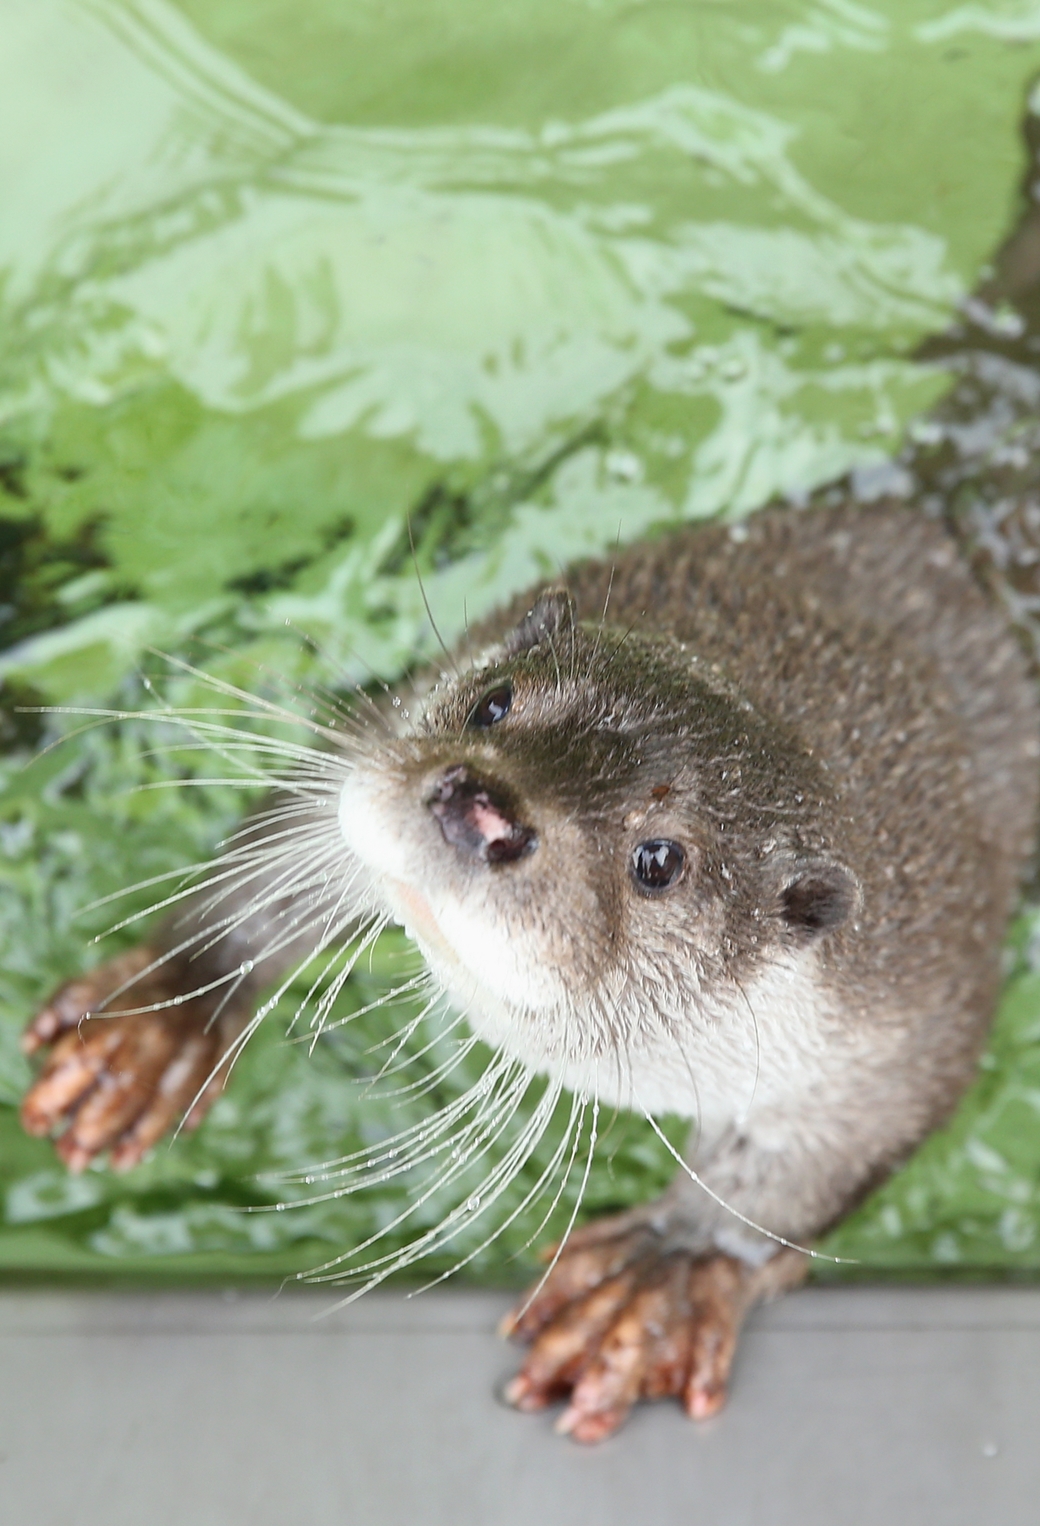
656	1321
118	1081
73	1002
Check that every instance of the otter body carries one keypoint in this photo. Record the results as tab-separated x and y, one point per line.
822	713
729	827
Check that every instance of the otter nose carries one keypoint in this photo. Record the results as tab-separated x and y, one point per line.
478	818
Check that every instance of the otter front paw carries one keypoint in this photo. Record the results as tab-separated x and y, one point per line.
625	1316
117	1079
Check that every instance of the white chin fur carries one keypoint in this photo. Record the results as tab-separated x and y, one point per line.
761	1055
482	963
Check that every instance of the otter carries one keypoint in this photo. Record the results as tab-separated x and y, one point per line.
742	851
728	826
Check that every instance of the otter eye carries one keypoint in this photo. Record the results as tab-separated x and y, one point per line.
657	864
494	705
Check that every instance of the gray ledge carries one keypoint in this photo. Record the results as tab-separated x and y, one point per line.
851	1406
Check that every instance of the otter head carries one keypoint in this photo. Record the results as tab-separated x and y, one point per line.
596	846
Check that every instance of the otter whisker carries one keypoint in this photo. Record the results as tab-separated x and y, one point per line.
475	1206
426	603
103	1009
222	686
332	701
532	1137
190	943
817	1255
231	1055
572	1137
301	767
558	1252
217	868
393	1065
384	1163
228	1060
225	871
403	1148
385	1000
338	953
336	985
622	641
485	1100
613	1031
295	924
478	1136
602	622
397	1146
432	1080
327	938
758	1051
287	808
277	891
184	872
462	1148
400	1037
190	720
209	721
250	778
471	1143
391	998
556	662
332	696
211	726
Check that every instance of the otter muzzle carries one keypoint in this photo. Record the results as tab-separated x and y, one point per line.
478	818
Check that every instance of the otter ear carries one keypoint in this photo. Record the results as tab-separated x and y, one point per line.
552	615
818	899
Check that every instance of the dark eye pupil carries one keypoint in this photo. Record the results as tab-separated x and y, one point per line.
492	707
658	864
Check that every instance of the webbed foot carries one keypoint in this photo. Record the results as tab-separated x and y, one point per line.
116	1079
626	1315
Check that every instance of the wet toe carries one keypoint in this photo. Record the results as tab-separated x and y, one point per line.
70	1075
576	1274
169	1102
562	1350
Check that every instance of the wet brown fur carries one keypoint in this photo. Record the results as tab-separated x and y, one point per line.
895	723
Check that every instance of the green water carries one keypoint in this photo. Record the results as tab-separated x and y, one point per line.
274	275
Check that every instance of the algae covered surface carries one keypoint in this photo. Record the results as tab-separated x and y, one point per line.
275	277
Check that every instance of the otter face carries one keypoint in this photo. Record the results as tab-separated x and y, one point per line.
588	843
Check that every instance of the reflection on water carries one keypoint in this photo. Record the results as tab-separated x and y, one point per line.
252	317
187	250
